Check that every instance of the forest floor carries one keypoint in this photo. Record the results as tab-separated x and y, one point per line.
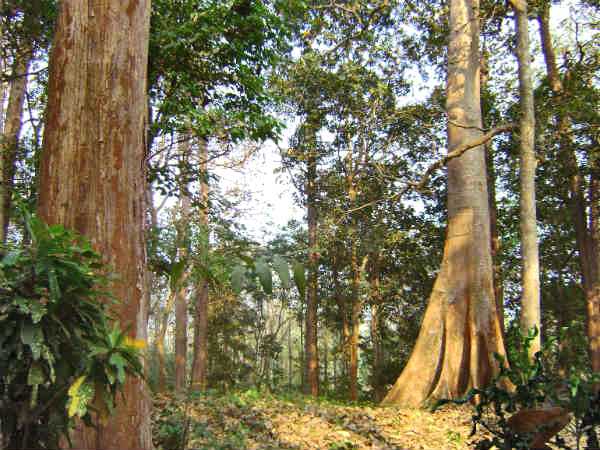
257	420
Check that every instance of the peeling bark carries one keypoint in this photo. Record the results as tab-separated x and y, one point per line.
92	170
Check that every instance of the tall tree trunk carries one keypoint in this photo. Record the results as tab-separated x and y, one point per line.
376	340
311	349
181	307
491	186
92	170
589	260
341	304
10	137
460	331
593	297
160	342
200	365
356	306
530	274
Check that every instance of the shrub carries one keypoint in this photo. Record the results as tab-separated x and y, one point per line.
526	383
59	357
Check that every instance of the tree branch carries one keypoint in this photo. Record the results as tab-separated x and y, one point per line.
455	153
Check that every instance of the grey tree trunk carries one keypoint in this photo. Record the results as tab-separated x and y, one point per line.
10	137
530	297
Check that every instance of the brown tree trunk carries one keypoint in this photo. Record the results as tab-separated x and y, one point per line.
593	296
181	308
530	274
200	365
460	331
376	376
10	137
356	307
341	304
586	238
92	170
311	386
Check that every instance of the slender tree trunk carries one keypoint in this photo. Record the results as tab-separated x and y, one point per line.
181	307
200	366
311	349
10	137
355	321
460	331
589	259
290	355
376	340
92	170
345	328
491	185
593	297
325	359
160	342
530	297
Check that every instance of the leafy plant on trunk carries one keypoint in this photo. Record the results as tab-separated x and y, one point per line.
59	355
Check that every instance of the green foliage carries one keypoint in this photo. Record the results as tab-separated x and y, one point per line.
525	383
242	276
55	334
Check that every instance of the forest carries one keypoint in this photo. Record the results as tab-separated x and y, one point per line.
299	224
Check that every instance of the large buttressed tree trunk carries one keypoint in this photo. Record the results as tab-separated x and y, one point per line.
92	171
461	329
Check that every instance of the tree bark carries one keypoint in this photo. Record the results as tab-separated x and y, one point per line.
181	307
530	271
160	342
376	339
10	137
200	365
593	298
356	307
460	331
92	170
311	386
585	232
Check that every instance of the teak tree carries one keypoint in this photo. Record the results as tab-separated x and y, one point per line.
461	328
92	170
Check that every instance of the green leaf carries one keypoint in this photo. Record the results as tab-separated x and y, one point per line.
119	362
283	270
238	276
299	277
264	275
